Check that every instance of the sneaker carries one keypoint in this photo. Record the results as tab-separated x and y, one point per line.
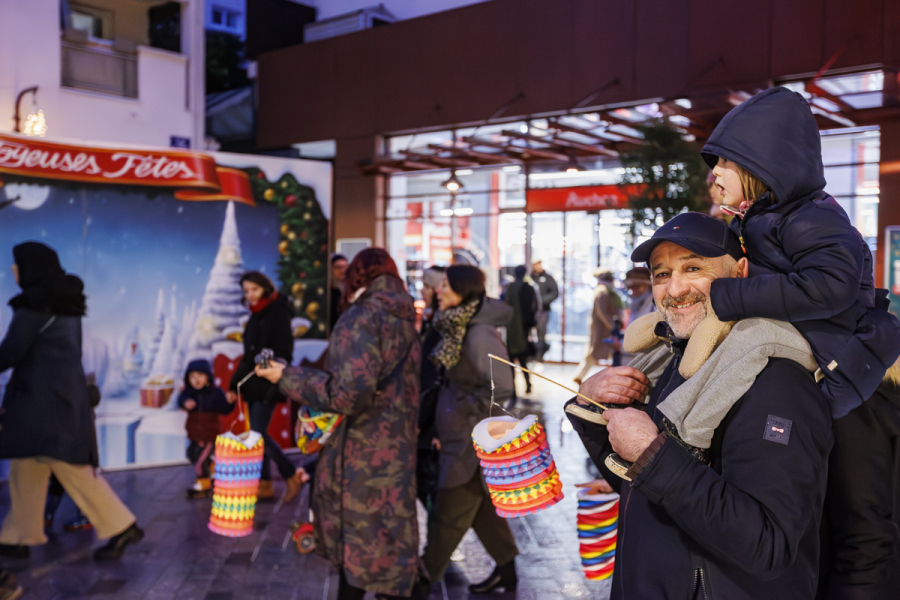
114	549
79	524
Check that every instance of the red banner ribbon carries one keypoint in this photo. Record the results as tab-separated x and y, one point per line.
195	175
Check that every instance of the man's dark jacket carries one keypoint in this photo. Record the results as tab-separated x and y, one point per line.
547	287
808	265
745	527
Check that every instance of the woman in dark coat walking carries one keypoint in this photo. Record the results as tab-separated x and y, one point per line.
46	426
269	327
468	323
364	496
429	385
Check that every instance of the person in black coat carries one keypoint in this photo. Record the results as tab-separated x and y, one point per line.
861	528
46	426
269	327
204	402
746	525
429	386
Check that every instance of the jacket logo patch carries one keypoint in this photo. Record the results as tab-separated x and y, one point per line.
778	430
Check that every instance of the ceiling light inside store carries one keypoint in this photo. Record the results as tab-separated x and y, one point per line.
512	169
573	166
453	183
523	128
464	212
447	212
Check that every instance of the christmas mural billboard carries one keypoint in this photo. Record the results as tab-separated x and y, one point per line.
161	238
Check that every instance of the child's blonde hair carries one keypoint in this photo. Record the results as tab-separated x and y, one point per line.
752	186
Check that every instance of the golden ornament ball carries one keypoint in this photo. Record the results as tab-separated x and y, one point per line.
291	235
283	247
269	194
285	228
297	289
300	331
312	310
317	264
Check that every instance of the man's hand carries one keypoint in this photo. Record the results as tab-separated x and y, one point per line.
273	373
630	431
615	385
189	404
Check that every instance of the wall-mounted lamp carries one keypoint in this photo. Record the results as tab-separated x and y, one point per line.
453	184
35	123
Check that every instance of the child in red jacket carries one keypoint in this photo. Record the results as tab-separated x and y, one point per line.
204	402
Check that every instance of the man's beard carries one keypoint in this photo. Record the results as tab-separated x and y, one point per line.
683	325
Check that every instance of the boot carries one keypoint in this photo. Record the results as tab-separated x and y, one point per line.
114	549
503	576
294	484
265	492
202	488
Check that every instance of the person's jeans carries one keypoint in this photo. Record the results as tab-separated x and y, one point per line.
260	416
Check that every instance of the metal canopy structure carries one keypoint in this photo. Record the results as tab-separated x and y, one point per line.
841	100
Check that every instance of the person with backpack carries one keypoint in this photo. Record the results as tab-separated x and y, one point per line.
524	301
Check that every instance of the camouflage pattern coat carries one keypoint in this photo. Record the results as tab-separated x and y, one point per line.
364	494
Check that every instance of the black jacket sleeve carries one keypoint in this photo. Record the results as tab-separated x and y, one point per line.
756	511
215	401
21	336
184	396
827	256
596	441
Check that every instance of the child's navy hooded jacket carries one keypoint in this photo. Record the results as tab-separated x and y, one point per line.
203	420
809	265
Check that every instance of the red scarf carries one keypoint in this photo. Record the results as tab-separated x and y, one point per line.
263	302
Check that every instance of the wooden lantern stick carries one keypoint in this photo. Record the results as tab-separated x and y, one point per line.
515	366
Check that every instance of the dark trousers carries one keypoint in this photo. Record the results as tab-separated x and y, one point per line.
260	415
455	510
348	592
522	359
200	454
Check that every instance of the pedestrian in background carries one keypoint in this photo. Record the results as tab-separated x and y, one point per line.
548	292
606	308
468	322
204	402
47	425
520	295
364	497
429	386
269	327
338	269
640	289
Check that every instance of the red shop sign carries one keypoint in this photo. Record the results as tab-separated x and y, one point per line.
585	197
195	175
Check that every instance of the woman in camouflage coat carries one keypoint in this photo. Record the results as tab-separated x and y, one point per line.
364	495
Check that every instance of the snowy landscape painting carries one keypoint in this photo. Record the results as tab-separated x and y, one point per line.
161	278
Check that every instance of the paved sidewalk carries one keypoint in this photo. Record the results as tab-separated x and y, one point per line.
180	558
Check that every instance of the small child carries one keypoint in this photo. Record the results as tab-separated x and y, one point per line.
204	402
808	265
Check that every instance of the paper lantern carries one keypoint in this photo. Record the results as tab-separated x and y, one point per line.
598	519
314	428
238	467
517	465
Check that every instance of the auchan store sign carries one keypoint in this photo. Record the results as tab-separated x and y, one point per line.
588	197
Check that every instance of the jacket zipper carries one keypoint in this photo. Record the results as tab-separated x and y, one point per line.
700	578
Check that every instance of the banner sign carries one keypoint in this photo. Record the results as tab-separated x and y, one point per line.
586	197
195	175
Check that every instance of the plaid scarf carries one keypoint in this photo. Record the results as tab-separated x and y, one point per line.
451	324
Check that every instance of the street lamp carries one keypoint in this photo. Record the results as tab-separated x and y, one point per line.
35	123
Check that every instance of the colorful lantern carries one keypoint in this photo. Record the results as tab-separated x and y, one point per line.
238	467
518	468
314	428
598	519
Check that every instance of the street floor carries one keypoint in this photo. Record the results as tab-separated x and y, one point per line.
181	559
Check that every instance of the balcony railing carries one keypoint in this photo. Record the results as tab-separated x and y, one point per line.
99	69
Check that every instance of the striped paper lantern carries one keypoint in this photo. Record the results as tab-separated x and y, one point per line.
238	466
598	519
517	465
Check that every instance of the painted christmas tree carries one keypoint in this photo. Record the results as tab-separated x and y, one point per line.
302	268
160	324
221	306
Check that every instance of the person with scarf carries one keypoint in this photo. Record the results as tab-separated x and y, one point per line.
46	425
364	491
429	386
468	322
269	327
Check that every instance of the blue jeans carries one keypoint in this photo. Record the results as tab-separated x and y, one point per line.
260	415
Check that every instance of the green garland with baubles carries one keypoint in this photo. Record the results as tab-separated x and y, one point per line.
303	246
